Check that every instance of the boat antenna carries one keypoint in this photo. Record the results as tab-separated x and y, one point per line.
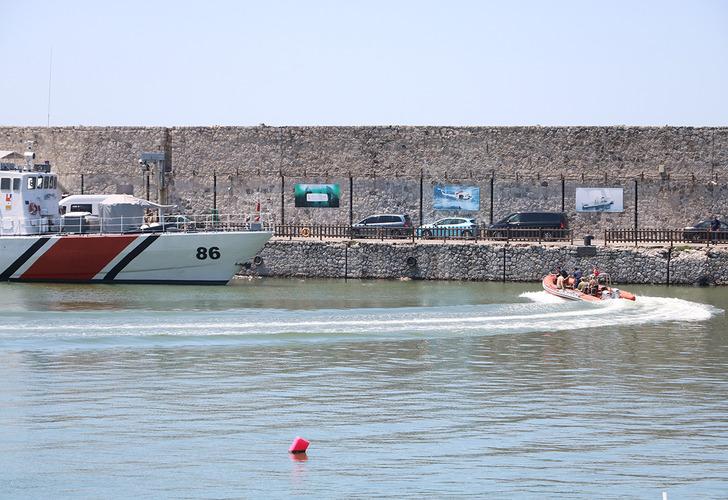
50	75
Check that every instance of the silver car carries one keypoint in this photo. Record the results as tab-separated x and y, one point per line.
383	225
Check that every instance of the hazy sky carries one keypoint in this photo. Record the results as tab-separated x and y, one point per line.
365	62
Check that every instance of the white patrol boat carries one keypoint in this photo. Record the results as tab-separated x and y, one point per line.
119	244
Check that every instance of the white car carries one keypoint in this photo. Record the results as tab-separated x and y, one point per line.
458	227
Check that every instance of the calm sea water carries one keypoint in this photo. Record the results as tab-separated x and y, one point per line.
405	389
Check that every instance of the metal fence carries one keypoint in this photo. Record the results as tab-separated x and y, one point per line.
483	233
670	236
321	231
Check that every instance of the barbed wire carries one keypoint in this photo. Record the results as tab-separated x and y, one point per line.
472	177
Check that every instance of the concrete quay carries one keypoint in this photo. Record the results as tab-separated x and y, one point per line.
486	261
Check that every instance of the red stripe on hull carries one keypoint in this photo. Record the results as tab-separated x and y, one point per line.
77	258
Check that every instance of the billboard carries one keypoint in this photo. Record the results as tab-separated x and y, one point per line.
598	199
453	197
317	195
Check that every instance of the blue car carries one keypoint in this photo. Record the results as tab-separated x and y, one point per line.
449	227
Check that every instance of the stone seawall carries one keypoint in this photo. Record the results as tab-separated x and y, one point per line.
680	174
485	262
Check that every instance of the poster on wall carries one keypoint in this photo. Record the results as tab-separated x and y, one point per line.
456	197
317	195
599	199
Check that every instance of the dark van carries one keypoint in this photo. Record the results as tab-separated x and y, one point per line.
548	225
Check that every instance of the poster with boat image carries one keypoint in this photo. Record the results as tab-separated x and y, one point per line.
316	195
596	199
455	197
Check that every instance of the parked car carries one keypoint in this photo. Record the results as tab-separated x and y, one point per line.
550	225
449	227
701	231
383	224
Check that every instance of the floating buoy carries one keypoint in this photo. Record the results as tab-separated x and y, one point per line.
299	445
305	232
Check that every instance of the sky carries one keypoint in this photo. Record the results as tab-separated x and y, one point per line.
368	62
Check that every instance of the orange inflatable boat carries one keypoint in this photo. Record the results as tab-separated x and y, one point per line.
600	289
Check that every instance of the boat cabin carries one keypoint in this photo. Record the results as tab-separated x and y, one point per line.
29	195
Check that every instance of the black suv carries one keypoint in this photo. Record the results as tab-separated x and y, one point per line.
548	225
701	231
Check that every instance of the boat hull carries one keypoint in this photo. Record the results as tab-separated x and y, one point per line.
179	258
549	284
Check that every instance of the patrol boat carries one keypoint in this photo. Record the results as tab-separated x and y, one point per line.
38	244
600	204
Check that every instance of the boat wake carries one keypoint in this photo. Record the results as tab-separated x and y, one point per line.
540	312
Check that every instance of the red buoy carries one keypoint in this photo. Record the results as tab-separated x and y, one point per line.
299	445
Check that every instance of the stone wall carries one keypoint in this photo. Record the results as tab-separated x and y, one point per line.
681	172
485	262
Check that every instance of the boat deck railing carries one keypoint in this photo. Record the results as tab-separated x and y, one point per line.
90	224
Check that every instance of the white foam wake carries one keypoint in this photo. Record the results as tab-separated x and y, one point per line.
544	313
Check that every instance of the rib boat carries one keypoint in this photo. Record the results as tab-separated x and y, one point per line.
39	244
600	290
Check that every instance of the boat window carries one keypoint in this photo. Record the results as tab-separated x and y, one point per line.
31	182
5	184
81	207
39	183
514	218
46	182
16	184
54	182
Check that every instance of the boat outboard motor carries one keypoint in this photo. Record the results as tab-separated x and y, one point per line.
615	293
605	294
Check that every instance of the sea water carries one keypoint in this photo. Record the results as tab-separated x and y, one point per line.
404	389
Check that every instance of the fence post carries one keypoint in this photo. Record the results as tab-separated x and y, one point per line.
422	190
214	192
351	200
636	200
283	198
81	183
563	193
492	177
